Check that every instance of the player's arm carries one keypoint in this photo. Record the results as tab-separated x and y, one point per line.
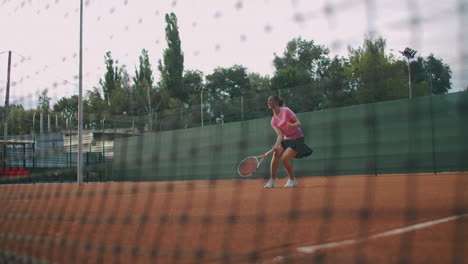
279	137
295	122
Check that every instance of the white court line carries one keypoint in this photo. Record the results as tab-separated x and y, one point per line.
312	249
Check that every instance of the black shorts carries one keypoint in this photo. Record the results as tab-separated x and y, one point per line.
298	145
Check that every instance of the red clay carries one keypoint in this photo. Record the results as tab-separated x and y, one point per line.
237	221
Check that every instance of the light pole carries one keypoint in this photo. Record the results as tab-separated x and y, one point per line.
7	110
430	77
201	105
409	54
80	103
34	123
7	99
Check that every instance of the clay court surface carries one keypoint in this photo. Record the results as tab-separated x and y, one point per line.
418	218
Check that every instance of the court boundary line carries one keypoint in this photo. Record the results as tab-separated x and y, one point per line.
401	230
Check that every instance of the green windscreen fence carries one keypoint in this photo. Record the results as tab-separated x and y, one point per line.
425	134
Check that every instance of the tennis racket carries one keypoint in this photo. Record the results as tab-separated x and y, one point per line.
249	165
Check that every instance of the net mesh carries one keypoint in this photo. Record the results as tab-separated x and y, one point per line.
387	182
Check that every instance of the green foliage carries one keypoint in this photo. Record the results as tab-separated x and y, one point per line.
112	79
44	101
119	102
228	83
192	83
439	74
305	77
19	120
94	106
259	83
302	65
67	107
303	55
143	91
172	66
372	75
288	77
193	86
336	88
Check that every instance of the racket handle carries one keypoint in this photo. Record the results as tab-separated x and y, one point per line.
268	153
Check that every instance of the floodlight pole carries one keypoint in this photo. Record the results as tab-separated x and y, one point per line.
409	54
79	164
7	110
409	78
7	98
430	78
201	106
34	123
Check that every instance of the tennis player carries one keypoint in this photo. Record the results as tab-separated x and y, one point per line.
289	142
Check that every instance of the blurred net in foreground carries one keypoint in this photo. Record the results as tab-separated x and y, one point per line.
405	194
387	182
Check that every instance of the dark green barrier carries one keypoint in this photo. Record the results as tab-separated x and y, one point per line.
425	134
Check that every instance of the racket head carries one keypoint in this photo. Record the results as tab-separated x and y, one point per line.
248	166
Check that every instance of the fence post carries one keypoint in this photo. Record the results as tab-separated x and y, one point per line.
34	152
103	149
242	108
70	144
48	123
41	120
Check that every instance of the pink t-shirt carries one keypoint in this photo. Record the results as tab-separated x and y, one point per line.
281	121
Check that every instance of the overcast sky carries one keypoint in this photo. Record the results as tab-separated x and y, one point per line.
44	35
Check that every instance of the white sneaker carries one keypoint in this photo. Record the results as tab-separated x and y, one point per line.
291	183
270	184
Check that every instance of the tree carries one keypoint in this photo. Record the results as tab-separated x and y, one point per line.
143	92
225	87
304	55
419	78
67	107
19	121
289	77
228	83
143	85
373	77
259	83
126	79
255	99
44	101
112	78
192	82
172	66
120	103
297	72
426	73
439	74
193	86
335	85
94	107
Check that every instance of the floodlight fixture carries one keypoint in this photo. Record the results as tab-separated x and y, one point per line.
409	54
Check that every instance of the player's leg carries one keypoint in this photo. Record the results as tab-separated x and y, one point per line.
275	161
288	154
274	167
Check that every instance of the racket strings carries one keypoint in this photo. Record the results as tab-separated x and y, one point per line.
248	166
